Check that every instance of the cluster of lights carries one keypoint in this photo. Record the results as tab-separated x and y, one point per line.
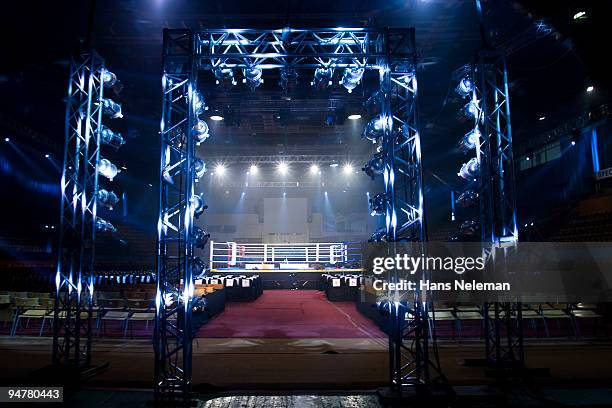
283	168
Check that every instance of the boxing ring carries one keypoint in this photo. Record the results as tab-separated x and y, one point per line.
294	257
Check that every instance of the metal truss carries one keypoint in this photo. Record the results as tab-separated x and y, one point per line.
291	159
72	322
389	51
498	218
409	341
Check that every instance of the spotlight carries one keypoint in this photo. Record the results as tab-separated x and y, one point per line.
288	79
333	165
378	204
542	118
375	166
322	77
198	206
200	237
220	169
198	103
581	15
465	86
107	198
469	170
111	108
573	143
253	77
470	140
374	129
107	169
200	131
283	168
467	199
105	226
347	168
378	236
253	169
199	267
351	78
47	156
314	169
111	138
216	118
200	168
108	78
354	117
224	77
468	228
6	139
590	88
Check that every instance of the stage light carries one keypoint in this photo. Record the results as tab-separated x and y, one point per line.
111	138
107	198
465	86
111	108
333	165
288	80
469	170
573	143
527	158
216	118
224	77
314	169
542	118
108	78
200	131
374	129
198	205
351	78
200	237
253	169
378	236
354	117
198	103
253	77
107	169
467	199
283	168
322	77
468	228
199	267
199	167
581	15
590	88
470	140
47	156
6	139
374	167
378	204
220	169
105	226
347	168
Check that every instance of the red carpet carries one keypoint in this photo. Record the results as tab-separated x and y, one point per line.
291	314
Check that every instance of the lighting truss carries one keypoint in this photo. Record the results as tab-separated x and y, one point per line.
304	159
410	363
74	279
389	51
498	219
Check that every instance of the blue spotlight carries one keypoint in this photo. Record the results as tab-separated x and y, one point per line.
351	78
253	77
111	108
111	138
107	198
469	170
6	139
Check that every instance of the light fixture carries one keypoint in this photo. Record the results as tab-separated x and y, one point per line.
200	237
333	165
107	169
224	77
467	199
199	167
283	168
351	78
580	15
253	169
107	198
378	236
322	77
288	80
378	204
111	108
200	131
374	167
374	130
199	267
471	109
354	116
216	118
314	169
590	88
105	226
465	86
111	138
198	103
527	158
542	118
573	143
470	169
47	156
6	139
253	77
220	169
108	78
470	140
198	205
347	168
